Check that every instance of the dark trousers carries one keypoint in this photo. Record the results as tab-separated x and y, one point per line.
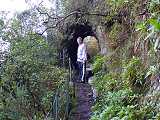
81	71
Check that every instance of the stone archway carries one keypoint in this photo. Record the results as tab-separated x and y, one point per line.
73	32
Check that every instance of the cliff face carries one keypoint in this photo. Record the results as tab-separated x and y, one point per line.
152	97
121	31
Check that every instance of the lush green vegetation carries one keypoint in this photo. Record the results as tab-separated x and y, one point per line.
34	75
122	93
30	76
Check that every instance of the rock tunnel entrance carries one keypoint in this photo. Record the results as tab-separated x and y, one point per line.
73	32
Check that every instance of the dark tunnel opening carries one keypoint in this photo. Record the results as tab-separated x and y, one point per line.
73	32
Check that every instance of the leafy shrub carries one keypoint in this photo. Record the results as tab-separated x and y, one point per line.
119	93
98	63
29	80
119	105
133	75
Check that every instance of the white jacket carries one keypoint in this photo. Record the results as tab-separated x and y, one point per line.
82	53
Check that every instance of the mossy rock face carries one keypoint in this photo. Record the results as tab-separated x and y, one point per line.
115	32
114	36
92	45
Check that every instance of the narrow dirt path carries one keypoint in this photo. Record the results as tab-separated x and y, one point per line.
84	101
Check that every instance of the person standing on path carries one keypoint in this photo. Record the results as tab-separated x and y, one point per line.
81	59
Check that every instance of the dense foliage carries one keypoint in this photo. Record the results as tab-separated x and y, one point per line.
30	76
125	76
120	95
125	93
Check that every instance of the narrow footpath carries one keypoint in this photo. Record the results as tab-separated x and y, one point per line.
84	101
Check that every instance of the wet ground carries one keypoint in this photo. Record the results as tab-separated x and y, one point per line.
84	102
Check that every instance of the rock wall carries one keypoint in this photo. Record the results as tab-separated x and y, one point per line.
100	33
152	97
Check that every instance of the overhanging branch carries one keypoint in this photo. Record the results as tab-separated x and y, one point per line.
60	19
45	13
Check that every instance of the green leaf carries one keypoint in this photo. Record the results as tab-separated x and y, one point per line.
140	26
155	23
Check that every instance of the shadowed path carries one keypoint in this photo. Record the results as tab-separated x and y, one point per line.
84	101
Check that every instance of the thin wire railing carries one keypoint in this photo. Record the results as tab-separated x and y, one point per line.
60	101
